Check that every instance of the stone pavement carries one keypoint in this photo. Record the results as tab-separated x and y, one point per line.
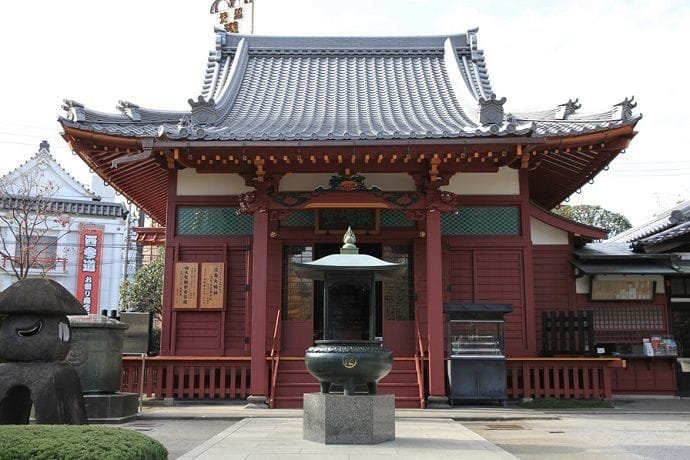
281	438
209	430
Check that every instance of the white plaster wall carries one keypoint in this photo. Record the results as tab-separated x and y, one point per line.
112	260
582	284
504	182
190	183
545	234
306	182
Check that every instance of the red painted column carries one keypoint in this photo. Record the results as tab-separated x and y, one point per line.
167	345
530	319
435	326
259	381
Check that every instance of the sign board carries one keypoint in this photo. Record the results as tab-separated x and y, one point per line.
137	333
212	285
622	289
89	266
186	285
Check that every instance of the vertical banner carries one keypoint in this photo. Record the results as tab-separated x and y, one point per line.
89	266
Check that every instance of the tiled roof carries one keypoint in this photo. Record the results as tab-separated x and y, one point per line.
344	88
82	208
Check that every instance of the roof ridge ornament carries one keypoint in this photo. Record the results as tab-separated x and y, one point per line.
44	146
678	216
563	111
74	109
129	109
491	110
623	110
203	111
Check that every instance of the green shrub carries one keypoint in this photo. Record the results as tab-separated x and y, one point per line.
63	442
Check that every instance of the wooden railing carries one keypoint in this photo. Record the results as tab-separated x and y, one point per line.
187	377
565	377
275	358
419	364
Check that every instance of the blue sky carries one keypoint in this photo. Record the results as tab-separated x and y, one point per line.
539	54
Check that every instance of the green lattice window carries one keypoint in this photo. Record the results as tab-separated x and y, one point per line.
213	221
393	218
482	221
297	219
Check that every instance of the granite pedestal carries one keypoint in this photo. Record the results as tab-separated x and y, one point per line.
356	419
111	407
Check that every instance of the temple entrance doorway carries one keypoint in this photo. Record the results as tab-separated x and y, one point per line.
302	300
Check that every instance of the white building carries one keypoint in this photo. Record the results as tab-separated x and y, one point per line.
81	242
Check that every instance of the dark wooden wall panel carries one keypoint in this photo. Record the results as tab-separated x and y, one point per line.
554	283
218	332
490	276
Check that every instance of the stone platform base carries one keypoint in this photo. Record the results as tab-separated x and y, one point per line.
111	407
357	419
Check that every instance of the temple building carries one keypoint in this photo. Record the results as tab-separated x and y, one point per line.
292	140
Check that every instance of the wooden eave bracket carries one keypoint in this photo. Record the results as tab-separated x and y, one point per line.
147	146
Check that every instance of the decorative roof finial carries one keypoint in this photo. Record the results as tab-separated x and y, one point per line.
623	110
565	110
491	110
203	111
44	145
74	109
349	241
129	109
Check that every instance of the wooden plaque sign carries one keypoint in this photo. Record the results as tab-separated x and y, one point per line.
212	285
186	285
622	290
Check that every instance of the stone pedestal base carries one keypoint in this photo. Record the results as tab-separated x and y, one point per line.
256	402
111	407
356	419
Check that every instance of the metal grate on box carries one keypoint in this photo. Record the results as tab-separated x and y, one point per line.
482	221
303	218
213	221
395	218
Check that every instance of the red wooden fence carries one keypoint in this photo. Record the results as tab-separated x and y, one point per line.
228	378
588	378
187	377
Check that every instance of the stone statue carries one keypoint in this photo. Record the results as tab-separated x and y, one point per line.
34	342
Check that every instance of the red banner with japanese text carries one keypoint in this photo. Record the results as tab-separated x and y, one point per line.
89	266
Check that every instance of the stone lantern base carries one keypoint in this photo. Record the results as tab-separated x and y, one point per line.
356	419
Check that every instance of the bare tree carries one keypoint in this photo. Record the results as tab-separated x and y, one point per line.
31	224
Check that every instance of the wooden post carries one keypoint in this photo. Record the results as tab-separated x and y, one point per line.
435	326
167	345
258	391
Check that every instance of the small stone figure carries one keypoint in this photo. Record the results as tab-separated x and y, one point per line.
35	340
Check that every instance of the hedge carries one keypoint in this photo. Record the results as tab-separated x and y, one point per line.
64	442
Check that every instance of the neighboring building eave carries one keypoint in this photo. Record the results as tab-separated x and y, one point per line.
576	229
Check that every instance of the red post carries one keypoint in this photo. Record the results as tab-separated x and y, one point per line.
167	345
435	326
258	391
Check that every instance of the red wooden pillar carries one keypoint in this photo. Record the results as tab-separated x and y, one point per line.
259	381
169	324
530	312
435	326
